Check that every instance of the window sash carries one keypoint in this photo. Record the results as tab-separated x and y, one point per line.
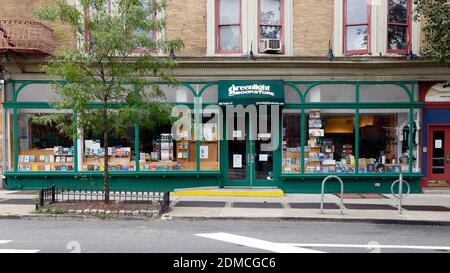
219	25
346	25
280	25
406	25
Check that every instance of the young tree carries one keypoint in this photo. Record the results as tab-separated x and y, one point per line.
436	27
103	81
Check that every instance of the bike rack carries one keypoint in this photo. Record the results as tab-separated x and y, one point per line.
323	192
400	191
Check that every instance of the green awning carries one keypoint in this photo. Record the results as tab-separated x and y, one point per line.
240	92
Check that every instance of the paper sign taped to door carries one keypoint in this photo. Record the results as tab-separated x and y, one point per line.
263	157
438	144
237	161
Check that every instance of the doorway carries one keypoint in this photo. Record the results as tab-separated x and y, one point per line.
439	156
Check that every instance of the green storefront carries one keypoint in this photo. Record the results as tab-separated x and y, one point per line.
242	133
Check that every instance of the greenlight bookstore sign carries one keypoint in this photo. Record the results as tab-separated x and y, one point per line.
265	92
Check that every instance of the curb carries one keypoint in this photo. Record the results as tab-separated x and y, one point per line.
70	217
313	219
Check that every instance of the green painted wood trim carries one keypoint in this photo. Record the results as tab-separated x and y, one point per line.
15	140
302	140
200	93
115	174
358	86
137	155
411	135
350	175
75	142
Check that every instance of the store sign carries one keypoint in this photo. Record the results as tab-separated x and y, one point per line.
438	93
251	92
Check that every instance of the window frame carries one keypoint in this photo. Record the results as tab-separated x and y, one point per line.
369	30
408	29
281	25
219	50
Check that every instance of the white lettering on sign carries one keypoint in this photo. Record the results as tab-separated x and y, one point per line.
258	89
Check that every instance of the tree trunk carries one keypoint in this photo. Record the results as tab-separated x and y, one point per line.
106	158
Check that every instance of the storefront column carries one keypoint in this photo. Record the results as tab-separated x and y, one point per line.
76	143
15	139
197	126
357	129
302	140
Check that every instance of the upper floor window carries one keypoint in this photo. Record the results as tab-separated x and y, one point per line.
398	26
228	26
356	27
270	25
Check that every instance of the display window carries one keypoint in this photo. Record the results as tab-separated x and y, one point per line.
291	142
168	146
209	142
384	140
42	145
330	141
383	93
121	151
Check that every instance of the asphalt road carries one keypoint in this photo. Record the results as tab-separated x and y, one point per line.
217	236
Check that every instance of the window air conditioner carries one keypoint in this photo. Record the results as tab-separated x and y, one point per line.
272	45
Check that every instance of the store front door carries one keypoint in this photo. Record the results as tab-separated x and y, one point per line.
439	156
250	161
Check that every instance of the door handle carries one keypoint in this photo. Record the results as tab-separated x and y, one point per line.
447	158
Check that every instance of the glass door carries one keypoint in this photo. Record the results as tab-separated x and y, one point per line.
239	151
440	157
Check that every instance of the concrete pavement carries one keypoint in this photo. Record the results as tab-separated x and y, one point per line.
418	208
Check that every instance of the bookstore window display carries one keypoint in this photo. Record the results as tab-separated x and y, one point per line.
384	140
121	151
330	138
291	142
167	149
209	143
42	148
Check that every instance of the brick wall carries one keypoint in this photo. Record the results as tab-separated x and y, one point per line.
187	19
313	27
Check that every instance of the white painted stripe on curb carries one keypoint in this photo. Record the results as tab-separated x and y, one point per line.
5	241
3	251
256	243
372	246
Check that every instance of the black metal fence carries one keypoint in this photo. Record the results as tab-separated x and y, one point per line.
59	195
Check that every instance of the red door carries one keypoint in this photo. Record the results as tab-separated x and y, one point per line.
439	155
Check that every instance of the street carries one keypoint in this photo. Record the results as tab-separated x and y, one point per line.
218	236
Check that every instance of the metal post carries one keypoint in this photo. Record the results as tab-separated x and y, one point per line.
323	192
400	194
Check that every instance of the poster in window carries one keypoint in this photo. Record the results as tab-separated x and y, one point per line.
237	161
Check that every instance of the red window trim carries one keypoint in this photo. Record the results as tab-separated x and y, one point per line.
217	11
408	29
281	25
368	24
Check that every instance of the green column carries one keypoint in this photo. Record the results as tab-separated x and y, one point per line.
302	140
75	142
15	139
357	129
197	126
136	136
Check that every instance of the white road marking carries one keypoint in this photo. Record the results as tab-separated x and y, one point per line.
373	246
256	243
2	251
16	250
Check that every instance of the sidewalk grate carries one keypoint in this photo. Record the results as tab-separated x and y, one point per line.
313	206
257	205
17	202
201	204
369	207
425	208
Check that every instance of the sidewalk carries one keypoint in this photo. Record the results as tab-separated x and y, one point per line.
430	209
418	208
